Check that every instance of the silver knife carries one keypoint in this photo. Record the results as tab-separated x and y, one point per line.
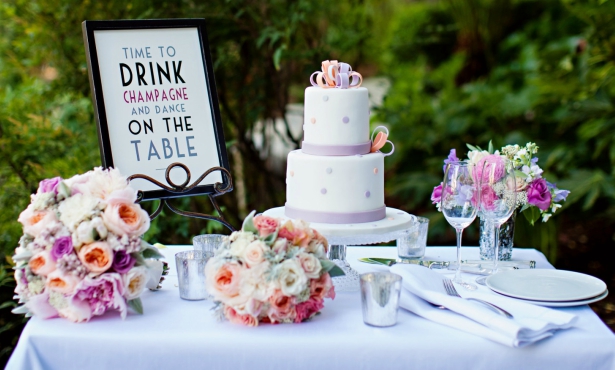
478	267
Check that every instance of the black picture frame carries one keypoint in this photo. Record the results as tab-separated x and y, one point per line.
89	29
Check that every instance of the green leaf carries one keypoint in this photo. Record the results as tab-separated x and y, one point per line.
472	147
138	257
277	57
490	149
532	215
150	253
336	271
327	265
270	239
136	305
248	223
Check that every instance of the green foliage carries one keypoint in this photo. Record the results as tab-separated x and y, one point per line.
546	77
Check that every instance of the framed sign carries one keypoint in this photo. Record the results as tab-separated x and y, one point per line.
155	101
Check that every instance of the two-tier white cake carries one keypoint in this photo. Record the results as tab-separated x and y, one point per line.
337	176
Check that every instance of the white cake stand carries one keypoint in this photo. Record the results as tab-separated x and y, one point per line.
395	225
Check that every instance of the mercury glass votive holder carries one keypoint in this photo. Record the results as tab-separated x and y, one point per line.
412	245
191	274
380	298
207	242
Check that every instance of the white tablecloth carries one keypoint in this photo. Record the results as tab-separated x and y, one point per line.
178	334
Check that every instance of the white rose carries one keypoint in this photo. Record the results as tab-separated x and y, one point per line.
255	283
135	281
290	277
84	235
254	253
310	264
240	244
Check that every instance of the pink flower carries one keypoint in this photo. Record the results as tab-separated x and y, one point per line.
265	225
39	306
124	218
489	170
281	307
436	195
42	263
235	318
306	309
96	257
223	282
295	234
322	288
49	185
76	311
488	197
62	283
34	222
538	194
101	293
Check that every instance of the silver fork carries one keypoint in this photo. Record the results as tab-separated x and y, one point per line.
450	290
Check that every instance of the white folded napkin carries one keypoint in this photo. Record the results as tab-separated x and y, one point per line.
531	323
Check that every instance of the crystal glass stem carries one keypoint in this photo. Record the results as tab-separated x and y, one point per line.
348	282
458	271
496	241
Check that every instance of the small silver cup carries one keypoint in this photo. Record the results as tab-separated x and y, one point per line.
191	274
207	242
412	245
380	298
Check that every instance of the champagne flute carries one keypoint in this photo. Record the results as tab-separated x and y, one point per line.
498	198
459	204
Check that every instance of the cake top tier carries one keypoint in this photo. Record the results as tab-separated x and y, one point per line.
336	74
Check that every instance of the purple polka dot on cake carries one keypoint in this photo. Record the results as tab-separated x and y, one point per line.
323	191
345	119
367	194
329	170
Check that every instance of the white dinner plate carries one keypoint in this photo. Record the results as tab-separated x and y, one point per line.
564	303
546	285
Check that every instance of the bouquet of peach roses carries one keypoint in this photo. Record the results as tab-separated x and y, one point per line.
271	272
81	253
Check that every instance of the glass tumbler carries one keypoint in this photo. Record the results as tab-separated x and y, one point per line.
412	245
207	242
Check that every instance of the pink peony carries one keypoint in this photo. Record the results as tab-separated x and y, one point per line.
123	218
62	283
539	195
223	282
306	309
34	222
322	288
76	311
39	306
488	198
49	185
101	293
235	318
265	225
436	195
96	257
42	263
489	170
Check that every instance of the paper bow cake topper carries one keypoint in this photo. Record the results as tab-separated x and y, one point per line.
336	75
381	140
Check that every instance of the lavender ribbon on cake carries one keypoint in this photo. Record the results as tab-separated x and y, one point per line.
336	75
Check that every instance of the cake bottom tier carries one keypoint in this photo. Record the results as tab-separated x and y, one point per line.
335	189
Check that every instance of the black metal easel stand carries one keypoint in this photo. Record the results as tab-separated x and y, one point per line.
184	188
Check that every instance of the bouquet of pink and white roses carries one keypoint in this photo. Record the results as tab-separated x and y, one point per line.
81	253
535	195
272	271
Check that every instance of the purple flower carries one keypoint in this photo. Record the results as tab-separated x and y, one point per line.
49	185
101	293
539	195
122	262
452	157
558	194
63	245
436	195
